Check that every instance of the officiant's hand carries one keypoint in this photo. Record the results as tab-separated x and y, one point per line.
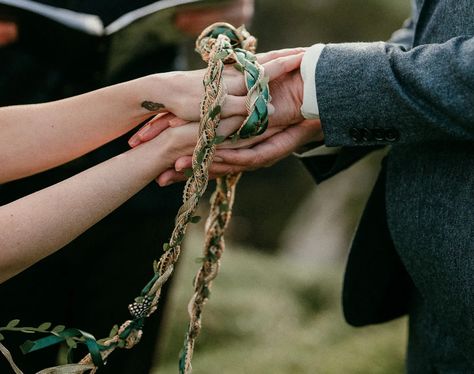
8	32
192	20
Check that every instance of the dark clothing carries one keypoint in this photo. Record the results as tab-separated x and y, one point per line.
89	283
413	250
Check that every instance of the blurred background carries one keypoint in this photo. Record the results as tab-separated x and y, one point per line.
275	307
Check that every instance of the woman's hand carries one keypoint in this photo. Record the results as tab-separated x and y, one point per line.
250	154
281	68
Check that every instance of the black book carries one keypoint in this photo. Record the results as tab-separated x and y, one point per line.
99	18
99	42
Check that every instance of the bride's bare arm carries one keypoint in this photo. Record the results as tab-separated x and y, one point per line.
39	224
37	137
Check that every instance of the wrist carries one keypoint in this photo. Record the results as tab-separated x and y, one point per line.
150	99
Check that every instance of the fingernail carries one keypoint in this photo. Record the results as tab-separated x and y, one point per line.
167	183
218	159
133	142
175	122
143	132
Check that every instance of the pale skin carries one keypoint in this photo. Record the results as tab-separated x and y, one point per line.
287	132
8	32
38	137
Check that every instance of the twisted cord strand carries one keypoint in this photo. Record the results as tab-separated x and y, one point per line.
219	44
214	51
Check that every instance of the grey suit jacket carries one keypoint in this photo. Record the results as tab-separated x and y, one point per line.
415	93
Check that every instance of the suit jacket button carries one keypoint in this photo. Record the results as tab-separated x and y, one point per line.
366	134
378	134
392	135
355	134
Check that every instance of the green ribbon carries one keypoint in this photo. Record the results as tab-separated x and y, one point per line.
90	341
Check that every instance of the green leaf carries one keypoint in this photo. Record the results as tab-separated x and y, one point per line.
188	173
239	67
195	219
206	292
1	337
121	344
166	246
57	329
113	331
13	323
224	207
215	111
219	139
71	343
200	156
27	330
221	55
44	326
26	346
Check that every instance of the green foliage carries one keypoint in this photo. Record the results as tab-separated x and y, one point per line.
58	329
13	323
215	111
195	219
219	139
44	326
269	315
188	173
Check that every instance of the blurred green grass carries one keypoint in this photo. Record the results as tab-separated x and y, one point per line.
271	315
267	313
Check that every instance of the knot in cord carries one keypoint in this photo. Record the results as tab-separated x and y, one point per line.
236	38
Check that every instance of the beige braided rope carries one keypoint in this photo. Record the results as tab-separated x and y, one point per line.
219	44
220	213
217	51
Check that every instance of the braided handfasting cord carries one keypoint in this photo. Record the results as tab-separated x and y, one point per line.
218	45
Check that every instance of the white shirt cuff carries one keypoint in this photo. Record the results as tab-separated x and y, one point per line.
321	150
310	109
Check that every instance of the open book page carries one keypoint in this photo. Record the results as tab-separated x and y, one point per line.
90	23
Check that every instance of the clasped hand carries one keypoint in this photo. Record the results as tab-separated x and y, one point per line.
287	130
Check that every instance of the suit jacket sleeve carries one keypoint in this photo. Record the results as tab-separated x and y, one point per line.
405	35
325	166
380	93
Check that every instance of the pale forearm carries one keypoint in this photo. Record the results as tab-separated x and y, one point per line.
37	137
39	224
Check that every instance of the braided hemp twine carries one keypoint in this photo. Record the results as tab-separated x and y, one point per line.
219	44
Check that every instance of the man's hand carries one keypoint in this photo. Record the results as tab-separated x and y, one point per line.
278	145
193	20
8	33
